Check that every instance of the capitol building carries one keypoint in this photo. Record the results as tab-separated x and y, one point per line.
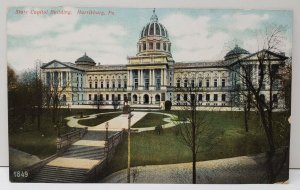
152	76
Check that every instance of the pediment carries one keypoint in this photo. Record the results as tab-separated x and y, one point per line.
266	55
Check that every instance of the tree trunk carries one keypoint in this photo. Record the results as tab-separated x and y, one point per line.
246	118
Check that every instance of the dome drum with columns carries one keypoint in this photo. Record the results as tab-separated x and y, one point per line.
152	76
154	39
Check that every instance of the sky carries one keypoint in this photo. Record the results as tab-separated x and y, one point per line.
111	35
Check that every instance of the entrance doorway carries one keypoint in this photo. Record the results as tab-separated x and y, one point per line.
146	99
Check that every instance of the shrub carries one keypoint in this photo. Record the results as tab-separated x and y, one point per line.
168	105
158	129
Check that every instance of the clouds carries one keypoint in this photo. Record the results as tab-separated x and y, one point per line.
192	37
59	37
241	21
32	24
194	34
203	37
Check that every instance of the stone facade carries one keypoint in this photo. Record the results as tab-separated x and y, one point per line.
152	76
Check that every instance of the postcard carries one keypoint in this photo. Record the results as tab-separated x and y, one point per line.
140	95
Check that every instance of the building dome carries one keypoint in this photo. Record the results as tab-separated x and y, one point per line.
154	28
236	52
154	39
85	60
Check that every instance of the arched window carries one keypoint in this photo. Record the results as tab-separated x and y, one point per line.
134	98
157	98
262	97
178	83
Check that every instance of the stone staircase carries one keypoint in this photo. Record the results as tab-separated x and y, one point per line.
84	152
58	174
54	174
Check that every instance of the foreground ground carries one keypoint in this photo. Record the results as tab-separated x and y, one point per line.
244	169
224	137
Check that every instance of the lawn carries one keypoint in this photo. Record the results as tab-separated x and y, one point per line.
150	120
223	137
98	120
41	143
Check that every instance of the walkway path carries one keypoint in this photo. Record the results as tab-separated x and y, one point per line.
244	169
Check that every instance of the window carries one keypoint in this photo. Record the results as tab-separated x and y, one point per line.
107	84
223	82
147	84
223	97
178	83
125	83
215	82
193	98
90	84
262	97
158	45
215	97
207	97
275	98
192	83
169	47
165	46
151	45
64	76
114	84
185	83
199	97
200	83
119	84
136	83
158	83
119	97
178	97
185	97
207	83
107	97
140	48
112	97
95	97
90	97
96	84
144	46
101	84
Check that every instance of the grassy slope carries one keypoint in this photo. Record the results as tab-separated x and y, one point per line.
98	120
223	137
30	140
150	120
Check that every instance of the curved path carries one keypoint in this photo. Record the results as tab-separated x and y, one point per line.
121	122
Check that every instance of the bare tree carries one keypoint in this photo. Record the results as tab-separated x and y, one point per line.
54	90
258	79
192	123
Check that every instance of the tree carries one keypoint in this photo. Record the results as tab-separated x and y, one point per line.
54	89
192	124
261	87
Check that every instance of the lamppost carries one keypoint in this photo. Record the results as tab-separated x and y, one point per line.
106	127
128	159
